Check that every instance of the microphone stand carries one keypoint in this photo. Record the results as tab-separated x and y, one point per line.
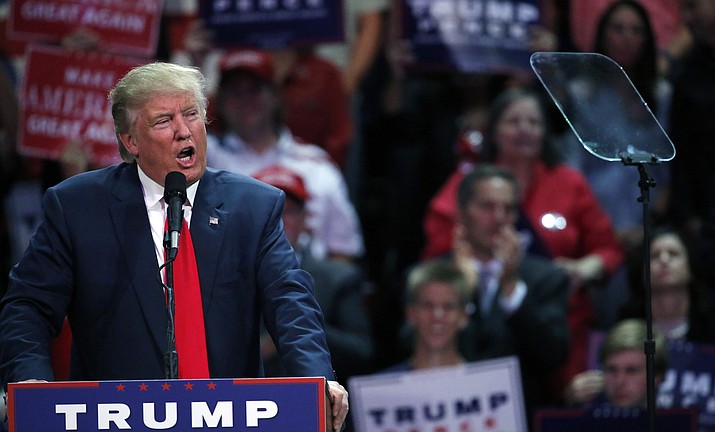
645	183
171	357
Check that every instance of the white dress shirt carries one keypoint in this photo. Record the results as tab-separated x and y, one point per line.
156	210
332	218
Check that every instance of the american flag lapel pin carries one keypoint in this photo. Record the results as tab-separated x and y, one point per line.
213	220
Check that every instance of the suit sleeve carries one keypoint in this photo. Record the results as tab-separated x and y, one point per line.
34	308
291	313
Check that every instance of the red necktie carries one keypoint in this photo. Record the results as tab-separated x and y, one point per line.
189	317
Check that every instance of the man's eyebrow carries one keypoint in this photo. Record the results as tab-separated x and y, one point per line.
170	112
160	114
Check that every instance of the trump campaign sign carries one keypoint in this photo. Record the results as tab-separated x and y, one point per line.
689	381
125	26
484	396
257	405
470	36
273	23
69	104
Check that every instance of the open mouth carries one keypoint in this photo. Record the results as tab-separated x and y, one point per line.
186	154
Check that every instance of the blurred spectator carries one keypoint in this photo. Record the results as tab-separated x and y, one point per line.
520	300
315	103
625	35
672	37
364	28
691	127
437	295
252	135
340	287
622	383
359	57
557	202
681	305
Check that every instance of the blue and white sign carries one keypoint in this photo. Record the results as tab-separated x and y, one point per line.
690	381
270	404
273	23
474	397
470	35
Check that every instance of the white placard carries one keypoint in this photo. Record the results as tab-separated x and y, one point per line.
474	397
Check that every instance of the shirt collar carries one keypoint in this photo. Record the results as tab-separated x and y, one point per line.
154	192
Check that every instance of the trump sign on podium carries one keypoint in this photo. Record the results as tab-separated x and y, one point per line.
268	404
474	397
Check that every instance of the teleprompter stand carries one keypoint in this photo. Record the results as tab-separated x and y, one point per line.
612	122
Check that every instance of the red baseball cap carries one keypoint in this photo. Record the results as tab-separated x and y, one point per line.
258	63
285	179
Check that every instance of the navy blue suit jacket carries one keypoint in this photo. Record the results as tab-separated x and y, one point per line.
93	259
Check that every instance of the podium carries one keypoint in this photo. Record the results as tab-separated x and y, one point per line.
265	404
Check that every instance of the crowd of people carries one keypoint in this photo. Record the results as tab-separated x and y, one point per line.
418	196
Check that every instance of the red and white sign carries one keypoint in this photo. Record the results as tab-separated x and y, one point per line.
63	100
128	27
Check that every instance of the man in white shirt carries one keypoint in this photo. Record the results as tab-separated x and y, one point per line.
254	137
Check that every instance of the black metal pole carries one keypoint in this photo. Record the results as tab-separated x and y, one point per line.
171	357
645	183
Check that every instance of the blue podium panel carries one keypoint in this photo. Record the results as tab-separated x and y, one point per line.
257	405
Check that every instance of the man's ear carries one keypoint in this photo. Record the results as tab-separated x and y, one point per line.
129	143
410	314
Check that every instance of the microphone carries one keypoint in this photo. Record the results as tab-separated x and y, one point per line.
174	196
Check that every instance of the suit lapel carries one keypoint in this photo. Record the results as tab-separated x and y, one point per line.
137	249
208	224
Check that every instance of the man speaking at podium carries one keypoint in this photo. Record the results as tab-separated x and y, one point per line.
97	255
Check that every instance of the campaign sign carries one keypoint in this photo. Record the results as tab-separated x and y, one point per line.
690	381
488	36
69	105
269	404
613	420
474	397
273	23
128	27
